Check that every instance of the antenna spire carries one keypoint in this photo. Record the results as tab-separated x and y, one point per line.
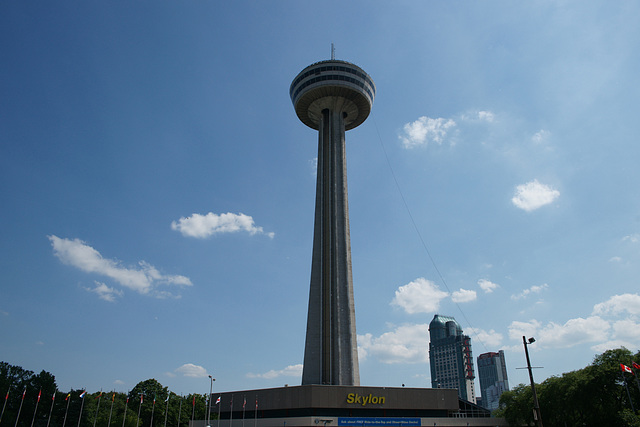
333	52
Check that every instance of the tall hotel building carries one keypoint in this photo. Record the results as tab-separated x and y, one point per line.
450	357
492	371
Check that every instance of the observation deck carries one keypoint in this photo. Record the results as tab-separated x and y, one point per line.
333	85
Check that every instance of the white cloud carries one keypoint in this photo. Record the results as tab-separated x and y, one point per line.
532	290
615	259
425	130
289	371
491	339
487	286
464	295
633	238
419	296
534	195
203	226
540	136
192	371
406	344
105	292
574	332
142	279
118	382
486	116
519	329
619	304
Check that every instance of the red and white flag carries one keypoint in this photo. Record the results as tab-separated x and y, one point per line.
635	365
625	368
39	394
218	400
24	392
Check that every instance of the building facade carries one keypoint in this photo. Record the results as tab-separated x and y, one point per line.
492	371
450	357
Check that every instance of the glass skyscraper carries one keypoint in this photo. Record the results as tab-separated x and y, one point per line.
492	371
450	357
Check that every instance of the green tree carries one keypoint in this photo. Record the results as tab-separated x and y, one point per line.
592	396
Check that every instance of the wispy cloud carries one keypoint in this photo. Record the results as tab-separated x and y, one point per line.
535	289
192	371
534	195
487	286
419	296
289	371
105	292
144	278
203	226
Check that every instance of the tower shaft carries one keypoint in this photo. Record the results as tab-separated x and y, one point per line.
331	355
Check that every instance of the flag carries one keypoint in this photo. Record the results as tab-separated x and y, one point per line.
24	392
98	396
244	403
635	365
39	394
68	396
167	399
154	399
141	398
82	394
218	400
256	402
625	368
194	400
53	398
113	397
7	396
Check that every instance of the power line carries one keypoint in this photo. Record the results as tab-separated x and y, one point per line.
424	244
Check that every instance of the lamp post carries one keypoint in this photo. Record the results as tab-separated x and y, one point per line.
209	407
537	415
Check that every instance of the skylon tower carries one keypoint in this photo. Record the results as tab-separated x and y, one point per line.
332	97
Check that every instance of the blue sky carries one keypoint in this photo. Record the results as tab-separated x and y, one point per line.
158	189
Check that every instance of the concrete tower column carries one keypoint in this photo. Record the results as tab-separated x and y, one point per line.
331	96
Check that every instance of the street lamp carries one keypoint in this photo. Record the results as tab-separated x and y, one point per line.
209	407
537	415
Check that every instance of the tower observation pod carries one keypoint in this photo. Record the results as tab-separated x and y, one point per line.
332	97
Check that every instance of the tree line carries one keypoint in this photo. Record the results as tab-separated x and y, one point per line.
601	394
30	399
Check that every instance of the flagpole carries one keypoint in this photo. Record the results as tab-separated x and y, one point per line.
81	406
244	404
180	410
153	408
231	412
219	409
193	408
166	410
624	380
139	407
113	398
95	418
255	423
68	399
5	402
36	410
20	409
124	417
53	401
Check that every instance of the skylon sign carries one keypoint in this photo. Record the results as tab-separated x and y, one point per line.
365	400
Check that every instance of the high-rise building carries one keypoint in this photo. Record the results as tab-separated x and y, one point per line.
331	97
492	371
450	357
